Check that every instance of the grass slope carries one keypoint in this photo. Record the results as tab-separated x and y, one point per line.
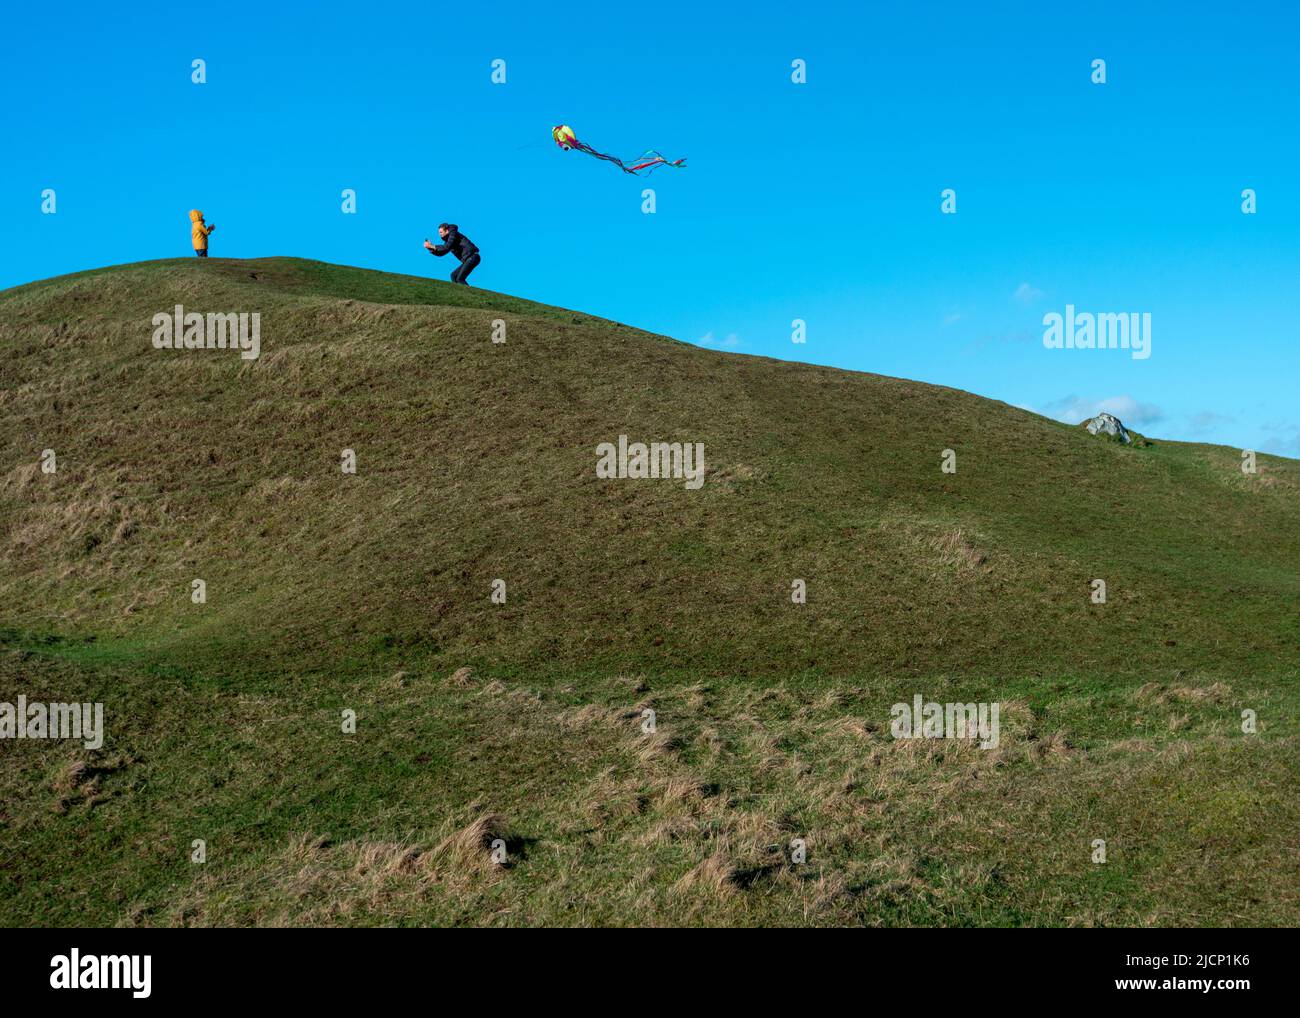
370	592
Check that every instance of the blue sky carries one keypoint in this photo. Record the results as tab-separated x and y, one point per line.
817	201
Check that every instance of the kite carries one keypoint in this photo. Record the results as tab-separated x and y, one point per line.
647	161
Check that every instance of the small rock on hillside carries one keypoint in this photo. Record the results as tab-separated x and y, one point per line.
1109	426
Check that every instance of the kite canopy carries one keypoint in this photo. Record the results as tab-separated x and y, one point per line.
564	136
647	161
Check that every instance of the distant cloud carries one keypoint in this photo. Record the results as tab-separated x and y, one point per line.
1207	420
1027	294
728	341
1286	444
952	319
1076	409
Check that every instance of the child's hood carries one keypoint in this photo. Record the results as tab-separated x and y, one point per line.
195	216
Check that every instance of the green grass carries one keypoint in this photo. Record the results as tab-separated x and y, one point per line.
476	461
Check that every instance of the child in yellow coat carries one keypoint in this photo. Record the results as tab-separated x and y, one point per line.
199	233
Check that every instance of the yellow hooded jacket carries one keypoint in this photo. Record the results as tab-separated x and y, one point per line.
199	232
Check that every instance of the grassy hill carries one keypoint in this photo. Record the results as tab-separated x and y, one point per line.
475	461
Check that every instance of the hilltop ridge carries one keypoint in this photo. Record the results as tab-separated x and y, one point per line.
476	461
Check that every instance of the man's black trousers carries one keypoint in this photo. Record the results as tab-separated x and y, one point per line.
465	268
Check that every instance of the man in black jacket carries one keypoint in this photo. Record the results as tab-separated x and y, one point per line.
455	242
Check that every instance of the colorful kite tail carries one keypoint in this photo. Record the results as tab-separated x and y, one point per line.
654	162
649	161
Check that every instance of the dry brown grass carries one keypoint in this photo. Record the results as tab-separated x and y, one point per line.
713	875
956	548
468	849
